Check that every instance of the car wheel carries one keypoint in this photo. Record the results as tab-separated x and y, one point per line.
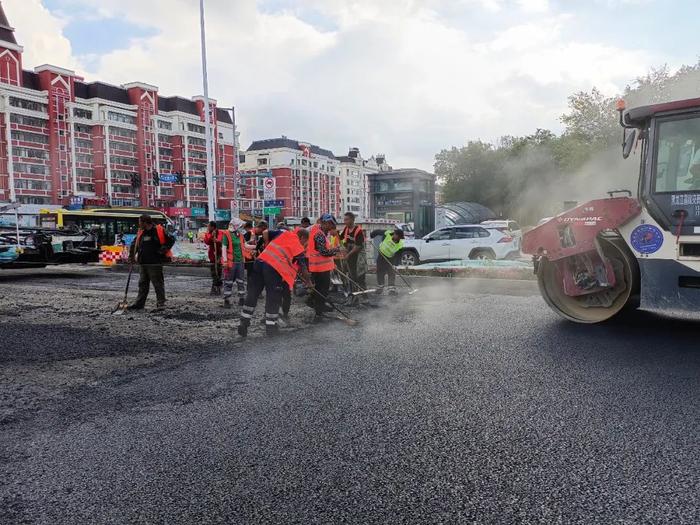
409	259
483	255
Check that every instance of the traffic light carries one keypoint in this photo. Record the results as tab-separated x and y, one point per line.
156	178
206	208
178	178
135	180
204	174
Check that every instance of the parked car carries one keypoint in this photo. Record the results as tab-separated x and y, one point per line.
407	228
459	242
509	227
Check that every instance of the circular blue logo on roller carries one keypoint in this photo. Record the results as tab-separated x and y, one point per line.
647	238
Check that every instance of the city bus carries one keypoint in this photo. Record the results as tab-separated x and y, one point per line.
106	224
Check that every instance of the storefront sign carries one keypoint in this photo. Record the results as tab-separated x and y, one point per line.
272	211
175	212
198	212
223	215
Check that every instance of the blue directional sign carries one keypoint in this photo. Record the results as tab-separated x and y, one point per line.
167	177
274	204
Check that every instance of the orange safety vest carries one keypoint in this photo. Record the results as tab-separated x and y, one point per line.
229	247
280	253
318	263
160	231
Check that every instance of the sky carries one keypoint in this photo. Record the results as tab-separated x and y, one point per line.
406	78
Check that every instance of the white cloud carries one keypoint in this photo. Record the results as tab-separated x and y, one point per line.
41	34
393	77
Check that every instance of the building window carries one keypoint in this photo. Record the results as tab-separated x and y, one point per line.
26	199
38	185
197	192
164	124
24	120
262	162
122	146
121	117
25	136
34	169
83	157
164	138
122	132
166	166
120	174
28	104
82	128
30	153
198	167
122	188
194	128
167	191
83	143
82	186
166	152
84	172
82	113
194	141
198	155
124	161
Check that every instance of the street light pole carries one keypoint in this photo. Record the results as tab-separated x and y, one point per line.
235	166
207	119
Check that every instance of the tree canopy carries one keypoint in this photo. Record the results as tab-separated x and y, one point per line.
527	178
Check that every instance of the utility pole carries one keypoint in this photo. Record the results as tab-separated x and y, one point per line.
235	165
207	120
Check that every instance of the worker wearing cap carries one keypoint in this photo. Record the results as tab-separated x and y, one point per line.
274	271
233	258
389	247
321	263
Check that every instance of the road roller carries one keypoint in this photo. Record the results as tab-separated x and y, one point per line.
630	251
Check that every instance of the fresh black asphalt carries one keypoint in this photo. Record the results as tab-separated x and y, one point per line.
449	406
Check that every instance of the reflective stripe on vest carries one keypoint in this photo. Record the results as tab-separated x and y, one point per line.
318	263
279	254
230	258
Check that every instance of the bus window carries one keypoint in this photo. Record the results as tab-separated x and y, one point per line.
48	220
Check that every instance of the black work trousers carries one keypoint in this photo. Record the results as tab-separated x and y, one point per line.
358	279
384	269
263	277
322	283
151	274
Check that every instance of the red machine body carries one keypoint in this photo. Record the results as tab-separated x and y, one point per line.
570	241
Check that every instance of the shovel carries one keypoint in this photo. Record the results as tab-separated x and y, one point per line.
345	317
123	305
411	288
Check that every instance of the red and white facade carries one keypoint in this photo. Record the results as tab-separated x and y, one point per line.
62	140
307	178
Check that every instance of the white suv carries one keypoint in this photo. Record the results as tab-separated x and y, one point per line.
508	227
459	242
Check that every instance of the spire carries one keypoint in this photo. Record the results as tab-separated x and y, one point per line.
7	32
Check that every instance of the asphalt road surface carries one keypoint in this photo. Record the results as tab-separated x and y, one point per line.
467	402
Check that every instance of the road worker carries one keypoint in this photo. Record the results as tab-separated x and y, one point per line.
274	270
389	247
353	239
233	260
321	263
305	223
150	249
212	238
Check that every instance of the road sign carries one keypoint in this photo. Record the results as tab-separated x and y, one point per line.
167	177
274	204
269	189
272	211
235	210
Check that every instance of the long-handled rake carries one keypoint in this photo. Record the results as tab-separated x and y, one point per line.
346	318
362	291
413	290
123	305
